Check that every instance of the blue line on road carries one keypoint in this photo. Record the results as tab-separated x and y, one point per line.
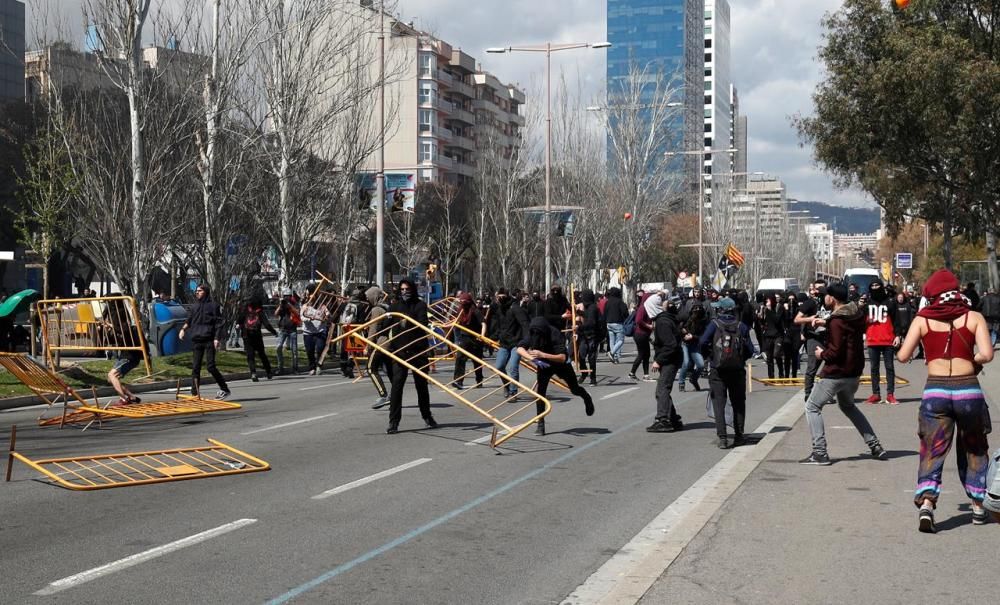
368	556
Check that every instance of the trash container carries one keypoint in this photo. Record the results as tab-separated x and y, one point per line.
168	318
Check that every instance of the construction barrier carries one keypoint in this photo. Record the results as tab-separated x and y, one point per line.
509	414
801	381
108	323
52	390
329	304
444	312
523	362
104	471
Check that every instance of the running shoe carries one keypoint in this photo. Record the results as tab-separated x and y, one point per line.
891	399
222	395
816	459
381	402
926	520
659	427
979	516
879	453
874	399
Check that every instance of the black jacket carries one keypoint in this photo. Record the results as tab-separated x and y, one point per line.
513	324
406	342
263	323
667	340
204	323
543	337
555	307
615	309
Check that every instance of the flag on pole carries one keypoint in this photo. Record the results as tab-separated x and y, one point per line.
733	253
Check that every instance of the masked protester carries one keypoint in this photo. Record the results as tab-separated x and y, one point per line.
410	344
730	344
545	347
513	327
882	338
667	361
588	333
470	319
204	325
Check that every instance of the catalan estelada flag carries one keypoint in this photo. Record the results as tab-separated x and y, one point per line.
733	253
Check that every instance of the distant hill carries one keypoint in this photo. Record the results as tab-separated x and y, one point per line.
848	220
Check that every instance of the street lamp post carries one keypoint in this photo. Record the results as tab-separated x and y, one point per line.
548	48
380	176
701	201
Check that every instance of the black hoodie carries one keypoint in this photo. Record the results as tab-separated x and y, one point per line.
543	337
591	315
204	323
667	339
615	309
513	323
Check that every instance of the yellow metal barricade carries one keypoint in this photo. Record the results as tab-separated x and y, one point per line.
52	390
414	343
444	312
104	471
523	362
108	323
801	381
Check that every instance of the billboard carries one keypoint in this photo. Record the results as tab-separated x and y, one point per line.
400	190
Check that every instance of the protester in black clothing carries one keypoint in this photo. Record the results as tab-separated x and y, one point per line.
410	344
589	334
556	308
253	321
513	327
205	326
731	348
990	308
972	295
468	318
792	338
535	306
814	333
615	314
772	331
545	347
903	314
667	361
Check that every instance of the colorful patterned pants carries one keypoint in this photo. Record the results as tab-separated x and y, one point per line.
950	403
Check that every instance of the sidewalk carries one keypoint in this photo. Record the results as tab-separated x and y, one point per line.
846	533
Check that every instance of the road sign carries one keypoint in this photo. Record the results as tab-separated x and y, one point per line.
904	260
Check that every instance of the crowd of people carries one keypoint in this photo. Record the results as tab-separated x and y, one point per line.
682	337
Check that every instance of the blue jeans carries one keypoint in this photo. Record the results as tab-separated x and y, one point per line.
292	338
616	340
509	362
691	354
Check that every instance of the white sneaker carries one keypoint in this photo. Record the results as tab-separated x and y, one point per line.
222	395
381	402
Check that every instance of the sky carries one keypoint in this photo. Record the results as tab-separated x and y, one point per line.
774	46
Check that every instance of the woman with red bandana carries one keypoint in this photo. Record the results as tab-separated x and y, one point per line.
469	319
953	399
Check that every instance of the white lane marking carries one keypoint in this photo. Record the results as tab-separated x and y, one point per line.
293	423
482	439
626	576
365	480
622	392
159	551
323	386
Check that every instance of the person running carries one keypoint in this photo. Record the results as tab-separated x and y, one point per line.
315	321
668	344
814	333
513	327
376	360
844	360
253	321
882	338
205	326
589	334
729	339
545	346
409	343
953	398
470	319
289	320
615	314
644	316
694	361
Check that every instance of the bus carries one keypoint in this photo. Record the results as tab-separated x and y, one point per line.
862	278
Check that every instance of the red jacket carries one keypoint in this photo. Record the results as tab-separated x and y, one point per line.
880	317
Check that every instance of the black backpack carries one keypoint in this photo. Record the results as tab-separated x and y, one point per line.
727	346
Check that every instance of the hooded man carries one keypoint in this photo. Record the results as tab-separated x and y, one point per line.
545	347
731	349
882	337
514	322
556	308
409	343
844	360
589	334
204	325
667	361
376	299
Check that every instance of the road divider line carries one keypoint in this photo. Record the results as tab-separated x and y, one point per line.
430	525
159	551
328	385
622	392
629	573
369	479
287	424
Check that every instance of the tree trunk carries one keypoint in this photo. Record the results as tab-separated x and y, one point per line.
946	233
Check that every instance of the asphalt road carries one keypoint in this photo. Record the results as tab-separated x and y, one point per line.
456	523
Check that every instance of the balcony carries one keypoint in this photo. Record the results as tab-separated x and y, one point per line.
516	118
463	143
463	61
488	105
462	115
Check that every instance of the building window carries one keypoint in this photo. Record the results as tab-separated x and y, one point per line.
426	120
426	64
708	112
425	94
708	57
708	99
708	44
708	85
708	141
708	71
426	151
426	176
708	128
708	30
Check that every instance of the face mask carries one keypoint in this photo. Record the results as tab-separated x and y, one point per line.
406	295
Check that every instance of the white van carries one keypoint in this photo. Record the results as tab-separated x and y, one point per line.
862	278
775	285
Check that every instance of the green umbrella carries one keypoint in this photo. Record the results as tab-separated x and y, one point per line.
19	302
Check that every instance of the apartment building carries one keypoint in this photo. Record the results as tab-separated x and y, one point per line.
446	108
761	213
11	49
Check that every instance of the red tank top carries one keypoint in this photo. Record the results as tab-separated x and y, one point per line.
956	343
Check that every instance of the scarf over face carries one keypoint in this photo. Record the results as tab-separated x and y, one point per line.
946	301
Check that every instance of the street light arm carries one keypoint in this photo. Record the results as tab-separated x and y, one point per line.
545	48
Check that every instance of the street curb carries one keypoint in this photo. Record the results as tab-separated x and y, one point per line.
21	401
626	577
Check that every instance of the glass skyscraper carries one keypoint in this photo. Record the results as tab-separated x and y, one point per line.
667	35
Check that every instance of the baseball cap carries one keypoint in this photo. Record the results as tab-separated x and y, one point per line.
725	304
